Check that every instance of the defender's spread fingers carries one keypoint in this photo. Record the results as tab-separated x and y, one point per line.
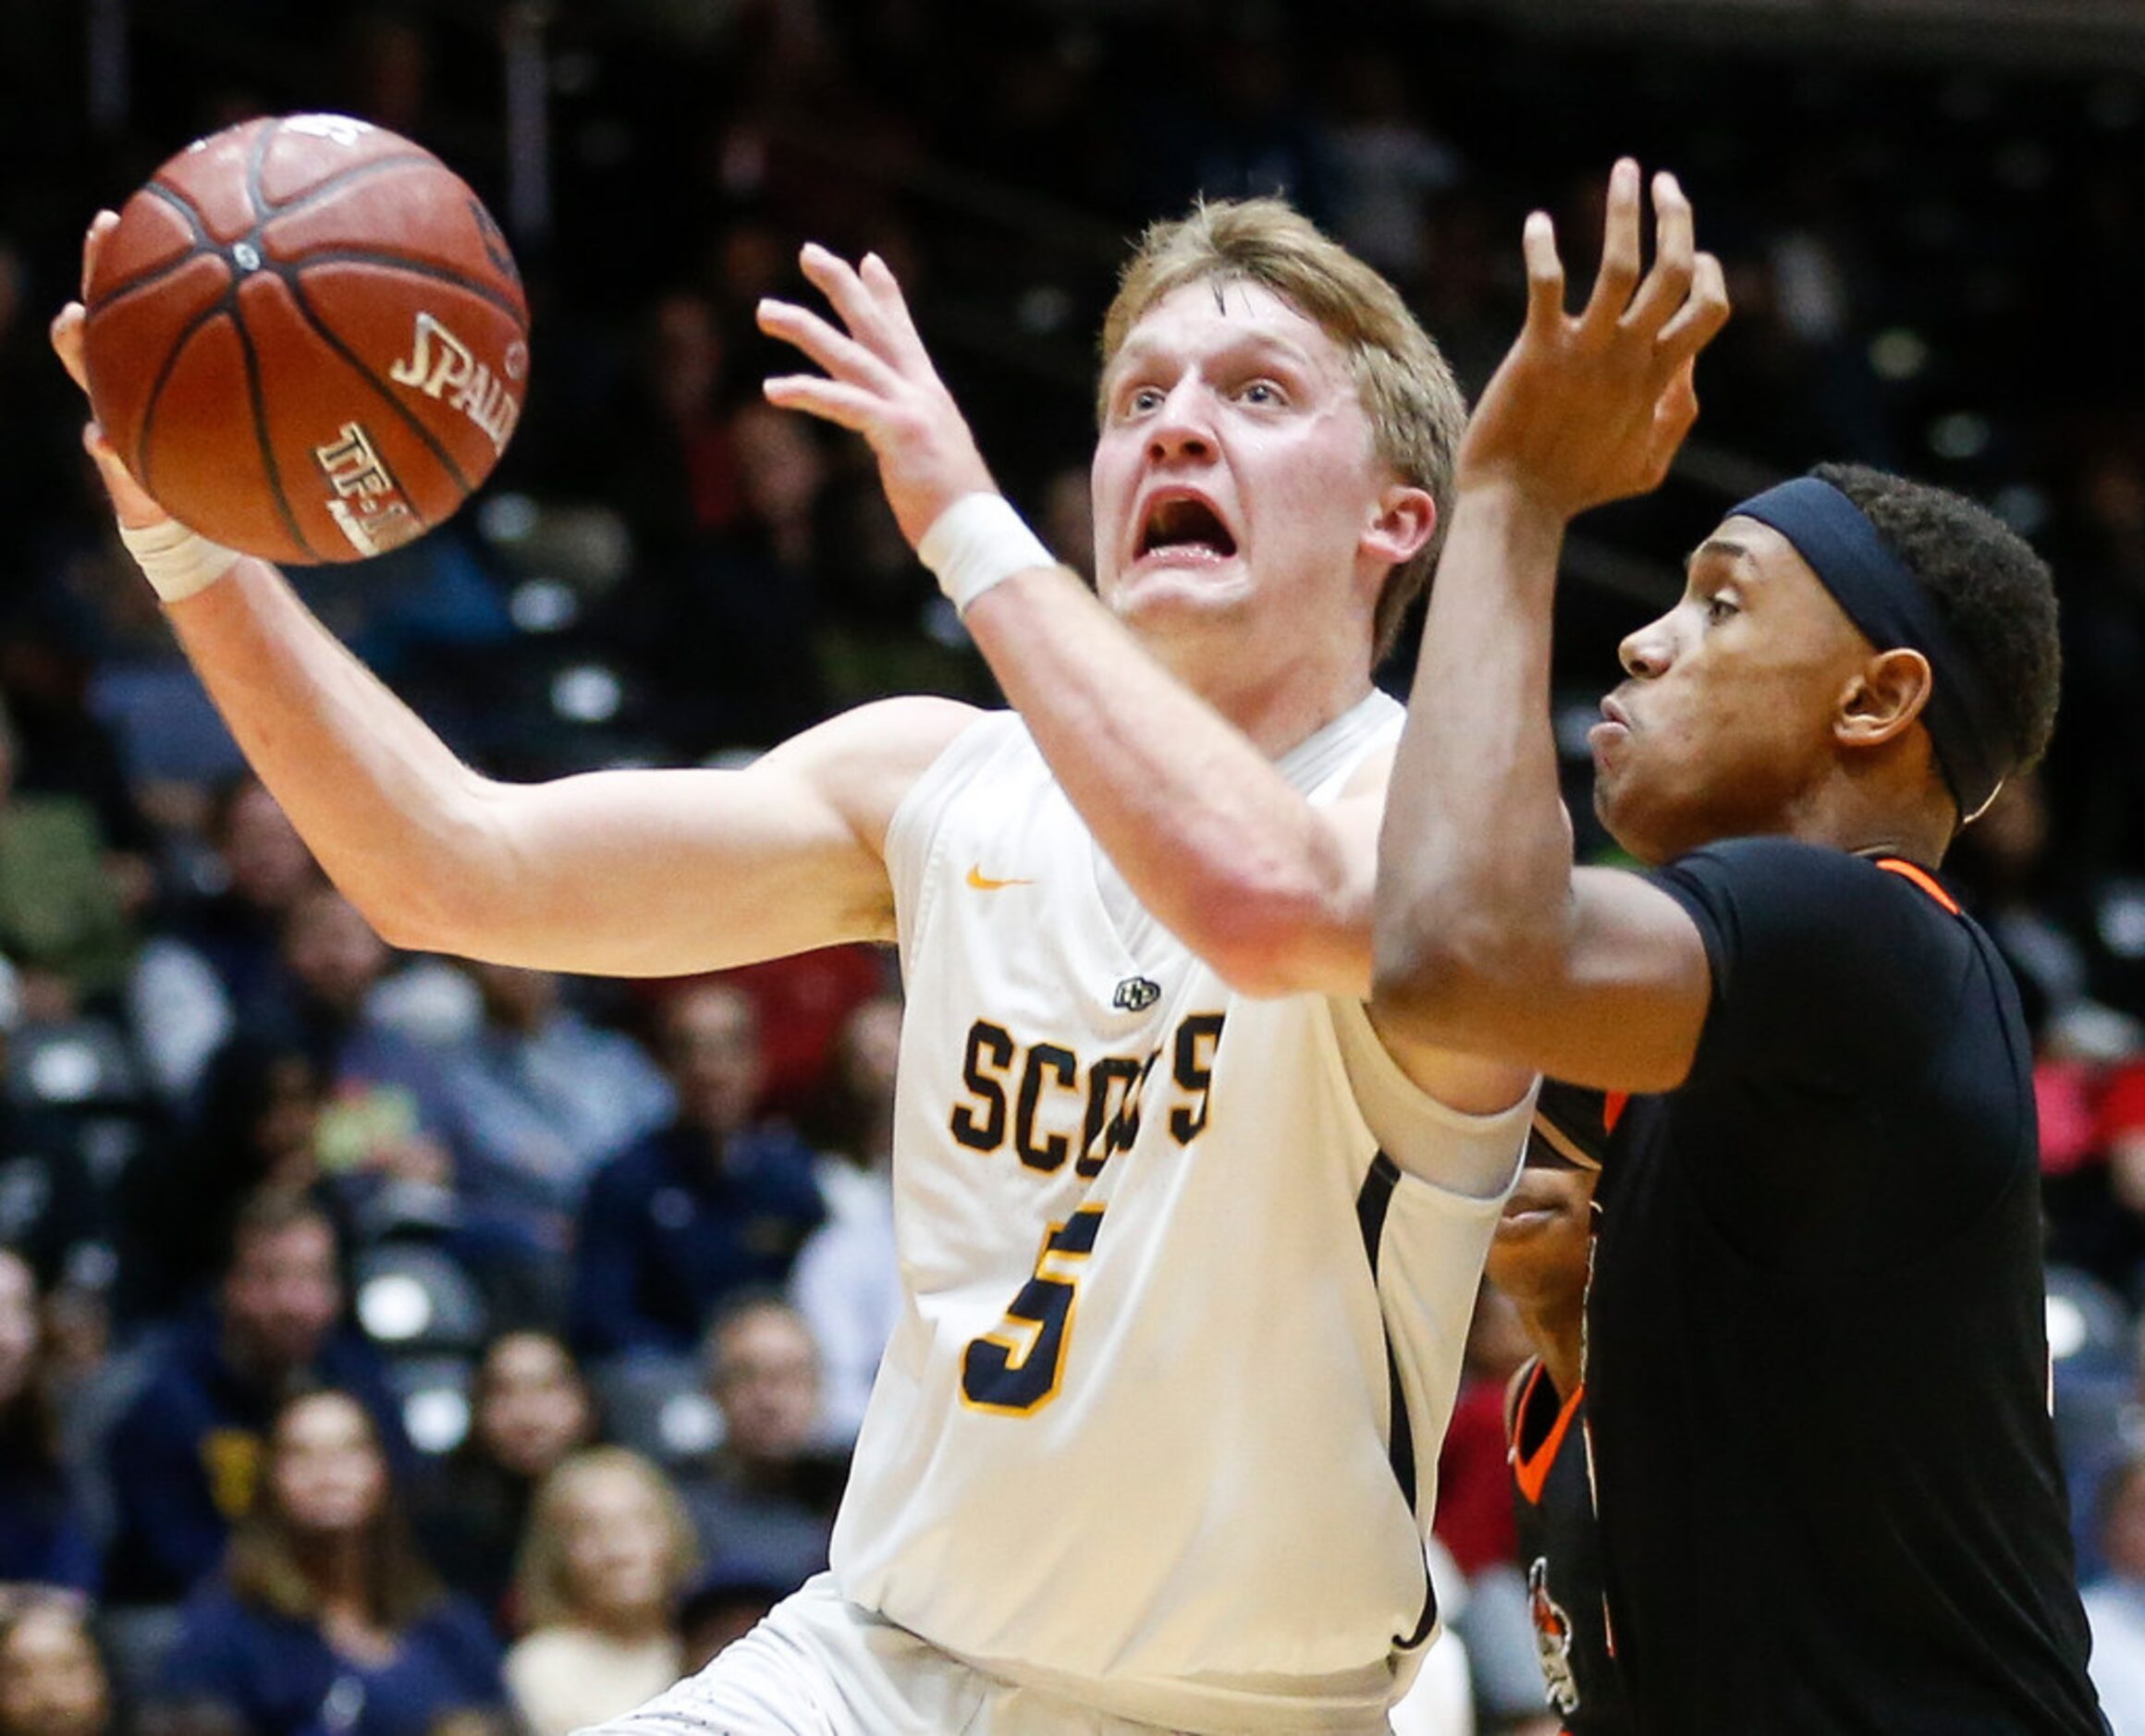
1669	283
1545	275
1704	312
1620	252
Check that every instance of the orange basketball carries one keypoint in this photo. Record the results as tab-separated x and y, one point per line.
307	338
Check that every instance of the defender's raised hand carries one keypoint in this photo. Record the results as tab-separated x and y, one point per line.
880	383
1591	407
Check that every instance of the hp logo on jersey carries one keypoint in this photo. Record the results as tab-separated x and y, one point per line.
1137	994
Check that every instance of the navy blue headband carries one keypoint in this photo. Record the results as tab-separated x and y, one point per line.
1891	608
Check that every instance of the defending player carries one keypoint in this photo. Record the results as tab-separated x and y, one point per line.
1539	1259
1189	1252
1816	1367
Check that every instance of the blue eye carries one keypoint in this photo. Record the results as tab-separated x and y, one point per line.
1262	392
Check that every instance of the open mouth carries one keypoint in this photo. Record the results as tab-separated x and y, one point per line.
1182	525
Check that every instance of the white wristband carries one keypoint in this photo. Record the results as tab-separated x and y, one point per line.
977	543
176	562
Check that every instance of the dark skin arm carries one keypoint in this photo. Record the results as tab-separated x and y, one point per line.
1486	938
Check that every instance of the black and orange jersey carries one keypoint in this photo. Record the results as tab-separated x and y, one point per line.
1816	1370
1558	1550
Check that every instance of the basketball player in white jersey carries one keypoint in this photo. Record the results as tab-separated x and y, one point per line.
1188	1250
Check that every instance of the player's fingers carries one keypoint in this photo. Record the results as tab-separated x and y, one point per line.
839	354
1674	413
831	401
886	291
1678	406
1545	275
1620	252
1706	308
1669	283
66	340
101	228
1699	320
835	279
132	504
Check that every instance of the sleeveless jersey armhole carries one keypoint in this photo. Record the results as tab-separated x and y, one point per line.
913	833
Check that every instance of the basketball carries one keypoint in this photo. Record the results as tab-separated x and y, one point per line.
307	338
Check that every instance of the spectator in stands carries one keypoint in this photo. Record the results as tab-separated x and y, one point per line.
542	1097
847	1282
768	1492
701	1209
386	1117
219	963
255	1127
50	1211
64	914
44	1536
325	1616
723	626
47	656
2115	1603
608	1551
531	1407
184	1459
53	1680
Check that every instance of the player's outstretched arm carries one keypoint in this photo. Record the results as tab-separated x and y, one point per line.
1274	894
1486	938
639	872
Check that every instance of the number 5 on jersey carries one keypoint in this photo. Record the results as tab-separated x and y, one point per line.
1015	1370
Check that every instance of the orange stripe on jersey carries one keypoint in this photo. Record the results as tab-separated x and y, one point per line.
1907	871
1613	1109
1532	1470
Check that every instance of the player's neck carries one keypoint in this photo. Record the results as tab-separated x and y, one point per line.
1279	708
1871	820
1554	1327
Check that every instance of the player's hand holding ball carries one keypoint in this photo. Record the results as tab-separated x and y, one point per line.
1591	407
304	338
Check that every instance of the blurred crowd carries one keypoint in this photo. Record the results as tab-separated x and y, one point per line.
393	1344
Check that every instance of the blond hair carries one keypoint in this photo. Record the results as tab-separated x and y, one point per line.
1415	407
544	1591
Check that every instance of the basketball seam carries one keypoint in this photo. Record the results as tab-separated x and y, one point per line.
256	161
333	340
337	182
414	267
196	223
155	275
158	274
261	436
256	393
226	304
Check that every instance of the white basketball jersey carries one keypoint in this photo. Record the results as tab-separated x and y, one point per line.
1150	1427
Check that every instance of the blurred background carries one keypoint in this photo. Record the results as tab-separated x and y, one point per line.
592	1260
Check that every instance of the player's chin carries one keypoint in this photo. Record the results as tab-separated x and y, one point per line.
1155	587
1628	815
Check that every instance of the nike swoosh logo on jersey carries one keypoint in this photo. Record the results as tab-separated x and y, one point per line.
983	883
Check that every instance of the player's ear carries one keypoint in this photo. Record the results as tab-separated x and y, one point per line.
1883	698
1402	525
